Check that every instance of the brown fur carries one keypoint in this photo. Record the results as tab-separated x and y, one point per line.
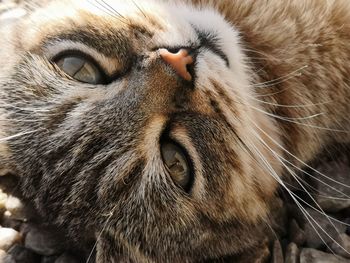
93	161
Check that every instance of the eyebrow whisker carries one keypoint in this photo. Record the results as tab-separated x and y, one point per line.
102	7
139	8
113	9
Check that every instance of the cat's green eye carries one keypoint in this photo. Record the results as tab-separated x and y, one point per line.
80	68
177	164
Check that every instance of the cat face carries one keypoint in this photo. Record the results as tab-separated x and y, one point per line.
111	141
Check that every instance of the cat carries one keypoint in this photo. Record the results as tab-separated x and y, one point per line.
161	131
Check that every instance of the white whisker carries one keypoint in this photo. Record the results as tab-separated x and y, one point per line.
315	178
293	196
292	106
277	156
315	209
100	234
300	123
109	7
299	160
288	119
104	9
18	135
270	94
282	79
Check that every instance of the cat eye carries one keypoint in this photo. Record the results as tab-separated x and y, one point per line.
80	68
177	164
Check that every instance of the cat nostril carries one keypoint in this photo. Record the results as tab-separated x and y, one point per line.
178	61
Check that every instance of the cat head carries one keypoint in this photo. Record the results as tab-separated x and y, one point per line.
110	140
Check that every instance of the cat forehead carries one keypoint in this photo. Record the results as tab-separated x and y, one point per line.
104	22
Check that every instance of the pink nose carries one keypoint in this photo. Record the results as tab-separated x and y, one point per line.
178	61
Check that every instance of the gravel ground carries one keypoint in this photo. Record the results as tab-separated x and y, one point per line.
23	239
